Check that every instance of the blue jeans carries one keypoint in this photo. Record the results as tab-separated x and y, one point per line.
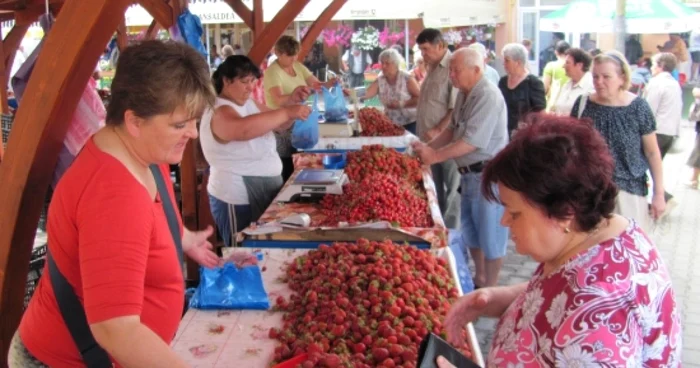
227	216
481	220
411	127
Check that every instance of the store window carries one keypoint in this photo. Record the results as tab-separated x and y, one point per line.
529	22
554	2
527	2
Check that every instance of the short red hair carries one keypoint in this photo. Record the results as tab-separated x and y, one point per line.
559	164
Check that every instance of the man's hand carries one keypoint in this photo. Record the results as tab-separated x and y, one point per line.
300	94
430	134
199	249
426	154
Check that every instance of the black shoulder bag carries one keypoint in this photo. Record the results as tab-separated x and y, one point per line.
73	312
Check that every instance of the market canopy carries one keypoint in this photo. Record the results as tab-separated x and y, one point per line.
643	16
219	12
443	14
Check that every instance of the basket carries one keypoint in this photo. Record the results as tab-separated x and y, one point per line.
36	267
5	126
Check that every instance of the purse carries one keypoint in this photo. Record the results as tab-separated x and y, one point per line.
73	313
694	113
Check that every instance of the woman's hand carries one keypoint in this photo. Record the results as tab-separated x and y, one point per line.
658	205
300	112
300	94
444	363
392	105
197	246
467	309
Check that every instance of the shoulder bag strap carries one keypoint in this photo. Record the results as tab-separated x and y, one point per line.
582	104
73	315
169	210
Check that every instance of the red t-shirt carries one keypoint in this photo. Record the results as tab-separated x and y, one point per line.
112	243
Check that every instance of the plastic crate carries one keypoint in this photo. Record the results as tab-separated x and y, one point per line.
5	126
36	268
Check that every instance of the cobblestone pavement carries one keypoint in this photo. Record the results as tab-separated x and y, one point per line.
676	236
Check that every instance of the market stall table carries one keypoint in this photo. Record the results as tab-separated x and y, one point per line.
269	232
223	338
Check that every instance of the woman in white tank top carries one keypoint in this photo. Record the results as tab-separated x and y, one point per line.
237	138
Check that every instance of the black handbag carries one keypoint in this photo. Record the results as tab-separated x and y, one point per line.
72	311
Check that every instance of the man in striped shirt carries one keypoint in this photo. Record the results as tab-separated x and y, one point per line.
477	132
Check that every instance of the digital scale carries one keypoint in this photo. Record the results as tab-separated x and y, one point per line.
310	185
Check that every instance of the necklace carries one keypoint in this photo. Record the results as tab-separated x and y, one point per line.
547	270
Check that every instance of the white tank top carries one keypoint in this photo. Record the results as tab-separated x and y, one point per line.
230	161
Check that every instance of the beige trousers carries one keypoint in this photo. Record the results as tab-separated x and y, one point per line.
634	207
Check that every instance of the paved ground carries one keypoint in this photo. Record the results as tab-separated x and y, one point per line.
677	239
676	236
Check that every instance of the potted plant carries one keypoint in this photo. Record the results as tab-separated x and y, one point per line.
366	39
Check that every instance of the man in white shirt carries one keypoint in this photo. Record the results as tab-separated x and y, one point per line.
356	61
576	66
665	97
489	73
694	48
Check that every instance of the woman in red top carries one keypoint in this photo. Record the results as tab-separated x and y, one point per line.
107	231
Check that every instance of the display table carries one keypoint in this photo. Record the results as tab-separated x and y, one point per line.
268	232
218	338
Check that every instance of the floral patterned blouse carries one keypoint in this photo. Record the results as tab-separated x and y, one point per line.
610	306
397	92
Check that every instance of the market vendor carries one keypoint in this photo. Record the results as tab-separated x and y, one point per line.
107	228
281	79
238	141
397	89
478	131
602	295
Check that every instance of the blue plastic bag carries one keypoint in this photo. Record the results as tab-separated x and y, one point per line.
305	132
191	31
336	109
230	287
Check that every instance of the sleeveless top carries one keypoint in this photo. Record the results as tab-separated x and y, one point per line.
231	161
397	92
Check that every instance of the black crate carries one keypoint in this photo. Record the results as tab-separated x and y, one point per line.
36	268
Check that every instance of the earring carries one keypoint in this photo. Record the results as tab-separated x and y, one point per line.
566	230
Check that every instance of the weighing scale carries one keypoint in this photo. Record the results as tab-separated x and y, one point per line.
311	185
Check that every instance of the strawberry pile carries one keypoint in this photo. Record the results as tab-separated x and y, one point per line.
374	159
360	305
377	197
375	124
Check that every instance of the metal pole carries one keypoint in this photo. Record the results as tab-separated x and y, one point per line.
620	26
206	27
406	45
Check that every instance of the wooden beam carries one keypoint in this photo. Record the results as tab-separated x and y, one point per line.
242	11
122	36
161	11
258	24
152	30
263	44
67	61
317	27
188	191
29	15
178	6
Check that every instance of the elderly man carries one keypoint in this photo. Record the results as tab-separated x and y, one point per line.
356	61
434	111
477	132
665	97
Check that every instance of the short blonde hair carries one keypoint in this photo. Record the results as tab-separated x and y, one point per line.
623	68
287	45
666	60
226	51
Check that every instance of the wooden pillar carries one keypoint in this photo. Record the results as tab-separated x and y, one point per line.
122	37
242	11
317	27
152	30
264	42
160	10
61	73
258	24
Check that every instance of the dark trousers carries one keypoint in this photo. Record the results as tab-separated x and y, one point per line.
665	142
357	80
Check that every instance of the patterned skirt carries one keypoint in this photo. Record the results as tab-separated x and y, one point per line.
20	357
